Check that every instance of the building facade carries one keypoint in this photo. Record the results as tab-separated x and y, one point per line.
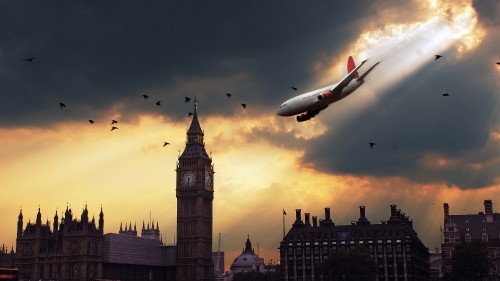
195	193
7	257
72	251
482	227
394	245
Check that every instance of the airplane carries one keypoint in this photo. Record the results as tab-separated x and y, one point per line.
308	105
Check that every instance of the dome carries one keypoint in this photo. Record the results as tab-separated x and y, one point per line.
248	260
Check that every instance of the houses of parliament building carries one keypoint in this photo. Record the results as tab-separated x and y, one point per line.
72	249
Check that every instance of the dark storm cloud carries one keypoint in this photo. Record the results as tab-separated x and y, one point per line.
93	55
413	126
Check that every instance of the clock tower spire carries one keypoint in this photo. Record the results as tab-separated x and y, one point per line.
195	193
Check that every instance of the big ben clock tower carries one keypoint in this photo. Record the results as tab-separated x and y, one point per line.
195	193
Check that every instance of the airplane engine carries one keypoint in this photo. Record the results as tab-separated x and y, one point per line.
324	96
304	117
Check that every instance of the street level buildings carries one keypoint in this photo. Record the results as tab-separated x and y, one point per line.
482	227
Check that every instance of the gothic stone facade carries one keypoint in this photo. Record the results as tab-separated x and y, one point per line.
195	193
71	251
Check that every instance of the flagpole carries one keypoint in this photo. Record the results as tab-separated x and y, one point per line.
284	213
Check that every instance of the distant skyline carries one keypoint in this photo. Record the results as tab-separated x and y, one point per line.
99	59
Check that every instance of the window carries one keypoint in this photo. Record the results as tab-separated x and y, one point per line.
467	238
485	237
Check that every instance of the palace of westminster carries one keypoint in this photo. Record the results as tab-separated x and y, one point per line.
72	249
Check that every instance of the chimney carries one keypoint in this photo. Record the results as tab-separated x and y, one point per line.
488	210
446	210
315	221
327	221
362	218
488	207
327	214
298	219
395	215
308	222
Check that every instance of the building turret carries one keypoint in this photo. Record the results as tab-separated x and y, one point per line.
101	222
20	223
56	224
39	218
85	216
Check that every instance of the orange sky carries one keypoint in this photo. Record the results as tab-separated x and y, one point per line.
130	174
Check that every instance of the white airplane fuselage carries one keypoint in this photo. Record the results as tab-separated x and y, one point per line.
310	101
308	105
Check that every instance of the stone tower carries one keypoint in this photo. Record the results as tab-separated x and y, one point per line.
195	193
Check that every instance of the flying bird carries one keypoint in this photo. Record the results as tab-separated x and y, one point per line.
244	105
91	121
145	97
294	88
498	63
372	144
158	103
62	105
187	99
228	95
190	113
114	128
113	122
446	95
165	144
437	57
30	59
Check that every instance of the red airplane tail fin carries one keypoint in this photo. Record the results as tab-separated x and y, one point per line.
351	66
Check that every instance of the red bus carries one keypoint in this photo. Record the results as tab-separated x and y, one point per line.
9	274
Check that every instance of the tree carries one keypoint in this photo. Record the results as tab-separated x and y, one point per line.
469	262
357	265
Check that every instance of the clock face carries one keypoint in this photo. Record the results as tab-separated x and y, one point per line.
188	179
208	180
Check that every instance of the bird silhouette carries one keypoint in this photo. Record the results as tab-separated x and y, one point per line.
244	105
372	144
91	121
62	105
438	57
158	103
228	95
145	97
446	95
187	99
30	59
113	122
190	113
165	144
498	63
294	88
114	128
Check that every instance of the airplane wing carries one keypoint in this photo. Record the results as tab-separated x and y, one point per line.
368	71
338	88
